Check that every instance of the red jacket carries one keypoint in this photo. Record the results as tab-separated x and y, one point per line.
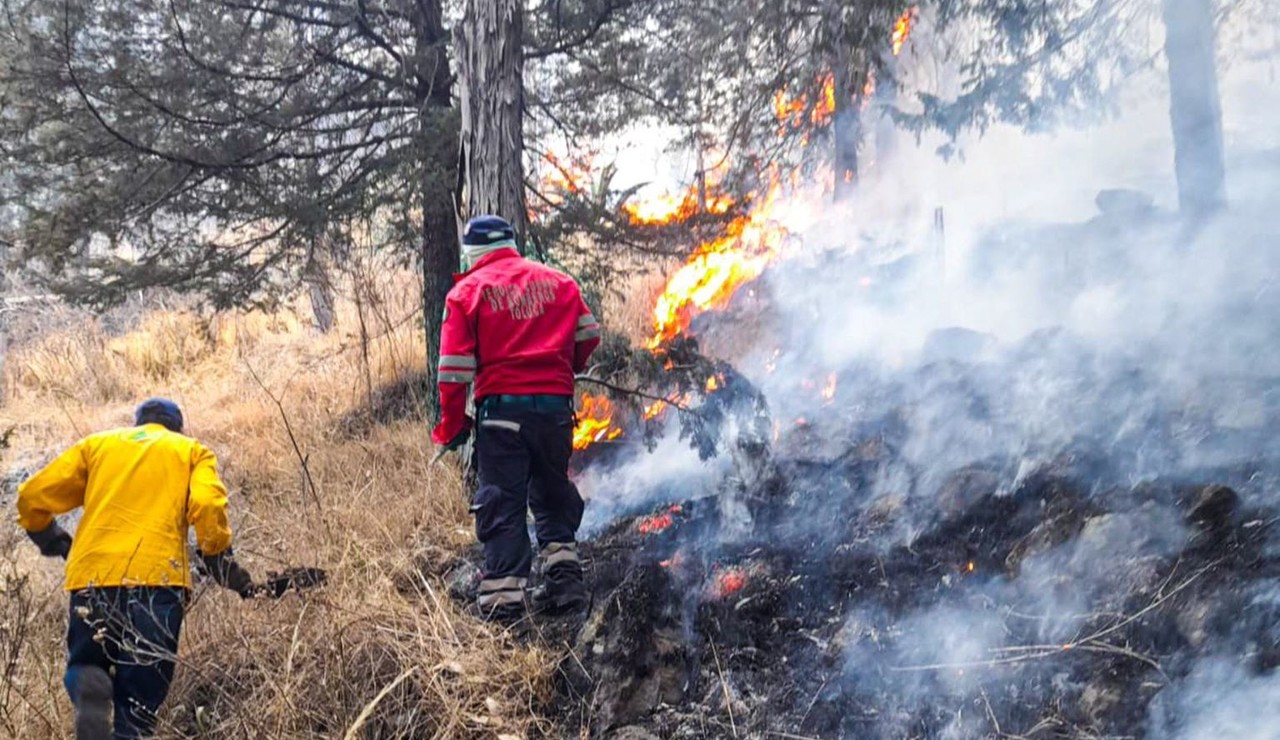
511	326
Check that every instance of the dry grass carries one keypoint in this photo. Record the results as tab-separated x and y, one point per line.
380	651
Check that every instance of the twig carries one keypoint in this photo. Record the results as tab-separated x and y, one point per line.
814	701
1091	643
308	482
632	392
991	715
1103	633
365	713
724	686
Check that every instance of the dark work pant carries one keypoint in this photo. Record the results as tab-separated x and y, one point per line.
523	457
137	630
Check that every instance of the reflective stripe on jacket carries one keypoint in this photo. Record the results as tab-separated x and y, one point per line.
141	487
511	326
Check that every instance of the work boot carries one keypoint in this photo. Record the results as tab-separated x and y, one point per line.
93	704
504	615
563	590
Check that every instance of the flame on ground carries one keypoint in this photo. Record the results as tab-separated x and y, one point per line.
658	522
829	390
595	422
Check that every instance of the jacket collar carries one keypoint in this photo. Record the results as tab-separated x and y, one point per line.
488	259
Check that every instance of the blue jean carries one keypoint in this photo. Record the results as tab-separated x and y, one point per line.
139	629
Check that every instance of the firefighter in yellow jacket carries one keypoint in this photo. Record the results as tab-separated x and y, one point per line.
127	569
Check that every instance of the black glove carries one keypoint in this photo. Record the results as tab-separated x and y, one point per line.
226	572
461	437
53	541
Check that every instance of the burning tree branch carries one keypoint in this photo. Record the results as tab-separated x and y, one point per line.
636	392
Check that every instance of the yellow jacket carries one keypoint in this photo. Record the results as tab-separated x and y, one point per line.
140	488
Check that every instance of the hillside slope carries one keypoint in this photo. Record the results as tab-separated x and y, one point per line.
381	647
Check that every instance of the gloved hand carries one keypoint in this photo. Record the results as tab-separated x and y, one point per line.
461	437
53	541
226	572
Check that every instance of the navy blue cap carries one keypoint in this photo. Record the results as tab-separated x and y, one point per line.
159	411
484	230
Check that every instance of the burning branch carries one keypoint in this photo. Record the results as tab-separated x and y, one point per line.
635	392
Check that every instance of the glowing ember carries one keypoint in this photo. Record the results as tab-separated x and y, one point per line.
595	422
675	561
829	390
728	581
658	522
970	566
902	29
712	384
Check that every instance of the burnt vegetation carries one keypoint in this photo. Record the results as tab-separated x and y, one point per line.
867	594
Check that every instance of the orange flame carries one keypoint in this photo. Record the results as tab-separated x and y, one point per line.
902	29
667	208
829	390
658	522
799	113
718	268
595	422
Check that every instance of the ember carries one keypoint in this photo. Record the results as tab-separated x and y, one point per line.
728	582
675	561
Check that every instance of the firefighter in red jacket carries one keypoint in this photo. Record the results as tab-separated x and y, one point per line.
519	331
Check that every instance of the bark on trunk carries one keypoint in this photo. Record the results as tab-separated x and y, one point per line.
849	70
488	47
320	291
1195	109
439	142
847	134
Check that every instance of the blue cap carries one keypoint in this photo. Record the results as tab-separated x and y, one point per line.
159	411
485	230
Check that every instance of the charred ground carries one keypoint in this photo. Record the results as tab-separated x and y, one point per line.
841	579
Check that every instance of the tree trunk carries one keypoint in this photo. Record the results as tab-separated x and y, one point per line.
849	73
319	290
1195	109
488	47
438	138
